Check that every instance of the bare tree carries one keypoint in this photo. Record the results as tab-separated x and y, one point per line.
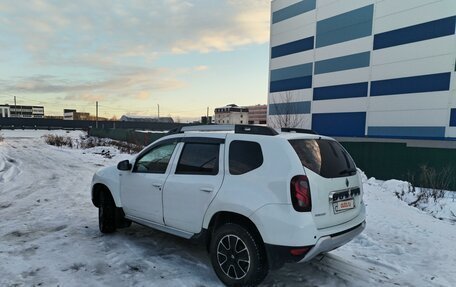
285	113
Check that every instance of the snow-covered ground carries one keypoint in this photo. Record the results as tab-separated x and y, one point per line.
49	234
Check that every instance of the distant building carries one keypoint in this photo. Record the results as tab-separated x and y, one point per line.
128	118
72	115
231	114
206	120
7	111
257	114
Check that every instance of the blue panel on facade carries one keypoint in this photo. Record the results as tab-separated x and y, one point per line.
416	84
291	84
289	108
355	90
292	47
453	118
340	124
293	10
353	61
345	27
291	72
411	132
416	33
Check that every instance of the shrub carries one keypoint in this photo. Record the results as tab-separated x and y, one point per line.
58	141
433	185
86	142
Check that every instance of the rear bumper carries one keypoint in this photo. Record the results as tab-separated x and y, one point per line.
331	242
279	255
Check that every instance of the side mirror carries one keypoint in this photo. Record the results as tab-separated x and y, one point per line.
124	165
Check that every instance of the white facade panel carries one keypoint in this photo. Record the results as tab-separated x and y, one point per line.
415	67
413	118
423	49
297	121
321	3
344	49
291	35
389	7
341	77
294	23
451	132
291	96
280	4
343	105
418	15
340	7
292	60
419	101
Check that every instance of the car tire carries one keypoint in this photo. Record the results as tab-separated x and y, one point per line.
106	213
238	256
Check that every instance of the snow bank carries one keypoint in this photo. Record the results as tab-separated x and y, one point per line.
49	233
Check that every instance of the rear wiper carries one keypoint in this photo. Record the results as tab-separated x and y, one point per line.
347	171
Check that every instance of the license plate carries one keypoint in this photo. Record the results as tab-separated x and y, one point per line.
343	205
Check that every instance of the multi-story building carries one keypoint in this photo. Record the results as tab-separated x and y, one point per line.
231	114
72	115
5	112
20	111
258	114
365	68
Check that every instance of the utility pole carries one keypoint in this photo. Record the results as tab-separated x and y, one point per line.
158	111
15	106
96	122
207	116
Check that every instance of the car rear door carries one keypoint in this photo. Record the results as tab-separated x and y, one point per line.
194	181
335	187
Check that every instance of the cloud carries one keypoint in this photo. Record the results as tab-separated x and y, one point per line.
133	81
201	68
86	50
136	28
143	95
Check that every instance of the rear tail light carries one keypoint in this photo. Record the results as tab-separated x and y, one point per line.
299	251
300	193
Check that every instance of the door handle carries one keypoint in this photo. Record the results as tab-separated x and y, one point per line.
157	186
207	189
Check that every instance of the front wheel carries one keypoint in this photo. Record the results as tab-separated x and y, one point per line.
237	256
106	213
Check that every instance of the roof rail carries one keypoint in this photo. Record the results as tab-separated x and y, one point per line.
239	129
294	130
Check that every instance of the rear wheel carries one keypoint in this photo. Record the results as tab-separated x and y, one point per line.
237	256
106	213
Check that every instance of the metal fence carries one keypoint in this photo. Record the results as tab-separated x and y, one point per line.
401	160
36	123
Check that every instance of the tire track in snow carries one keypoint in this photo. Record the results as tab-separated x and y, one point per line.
378	273
8	169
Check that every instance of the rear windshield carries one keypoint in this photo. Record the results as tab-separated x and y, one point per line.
324	157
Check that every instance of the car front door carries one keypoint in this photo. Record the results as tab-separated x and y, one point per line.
142	188
193	183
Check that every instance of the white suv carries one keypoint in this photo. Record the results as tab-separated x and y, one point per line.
258	198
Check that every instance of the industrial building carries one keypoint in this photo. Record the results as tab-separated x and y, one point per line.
376	68
20	111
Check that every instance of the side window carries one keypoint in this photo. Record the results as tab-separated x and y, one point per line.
156	160
199	158
244	156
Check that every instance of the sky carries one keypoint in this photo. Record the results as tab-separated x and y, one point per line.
131	56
